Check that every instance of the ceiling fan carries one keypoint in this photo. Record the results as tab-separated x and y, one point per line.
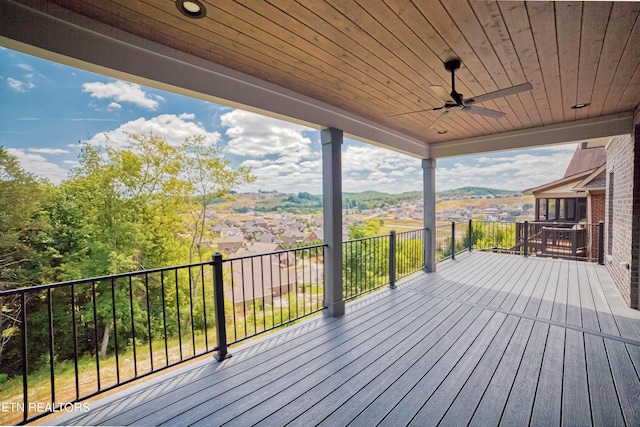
454	102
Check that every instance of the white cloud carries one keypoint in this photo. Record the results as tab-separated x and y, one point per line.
20	86
518	171
123	92
174	129
48	150
253	135
367	167
39	166
25	67
279	154
114	106
282	157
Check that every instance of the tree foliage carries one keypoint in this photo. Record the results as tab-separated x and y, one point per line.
123	209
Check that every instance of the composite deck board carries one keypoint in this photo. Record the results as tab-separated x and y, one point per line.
493	401
392	366
458	395
474	338
506	298
545	307
488	339
627	385
276	395
559	311
576	407
535	298
605	407
520	402
523	285
229	393
574	313
589	315
317	384
548	402
627	320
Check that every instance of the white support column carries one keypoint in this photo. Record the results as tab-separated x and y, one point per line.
429	196
332	211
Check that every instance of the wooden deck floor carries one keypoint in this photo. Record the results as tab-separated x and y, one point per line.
488	340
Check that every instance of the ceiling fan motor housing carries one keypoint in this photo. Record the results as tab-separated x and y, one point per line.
452	65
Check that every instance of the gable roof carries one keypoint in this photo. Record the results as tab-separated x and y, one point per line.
595	181
586	159
562	187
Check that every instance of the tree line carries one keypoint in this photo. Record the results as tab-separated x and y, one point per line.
122	209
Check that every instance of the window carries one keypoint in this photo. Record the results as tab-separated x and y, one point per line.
562	214
552	209
581	208
610	218
571	209
542	209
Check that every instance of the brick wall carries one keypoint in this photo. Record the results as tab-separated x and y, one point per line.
598	203
621	161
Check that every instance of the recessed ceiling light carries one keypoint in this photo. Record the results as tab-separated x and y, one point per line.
191	8
442	132
581	105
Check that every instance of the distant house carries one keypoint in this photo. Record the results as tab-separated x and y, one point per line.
267	238
230	244
221	229
579	194
258	275
314	236
292	236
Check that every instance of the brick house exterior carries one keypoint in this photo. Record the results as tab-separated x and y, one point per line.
622	217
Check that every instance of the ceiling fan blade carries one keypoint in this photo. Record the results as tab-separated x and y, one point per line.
416	111
494	114
499	93
443	94
443	116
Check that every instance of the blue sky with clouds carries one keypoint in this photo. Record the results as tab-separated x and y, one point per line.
46	109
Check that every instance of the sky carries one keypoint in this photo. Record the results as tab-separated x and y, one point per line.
48	109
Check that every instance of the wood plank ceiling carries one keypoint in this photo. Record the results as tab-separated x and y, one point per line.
377	58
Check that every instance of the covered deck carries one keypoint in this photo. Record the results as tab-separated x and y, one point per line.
489	339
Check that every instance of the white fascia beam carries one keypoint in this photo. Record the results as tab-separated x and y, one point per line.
576	131
51	32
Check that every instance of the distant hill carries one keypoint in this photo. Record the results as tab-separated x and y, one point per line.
463	192
310	203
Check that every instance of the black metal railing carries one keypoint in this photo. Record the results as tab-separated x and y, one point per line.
373	262
104	332
451	240
270	290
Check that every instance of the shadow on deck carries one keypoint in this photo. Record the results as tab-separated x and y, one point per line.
488	339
